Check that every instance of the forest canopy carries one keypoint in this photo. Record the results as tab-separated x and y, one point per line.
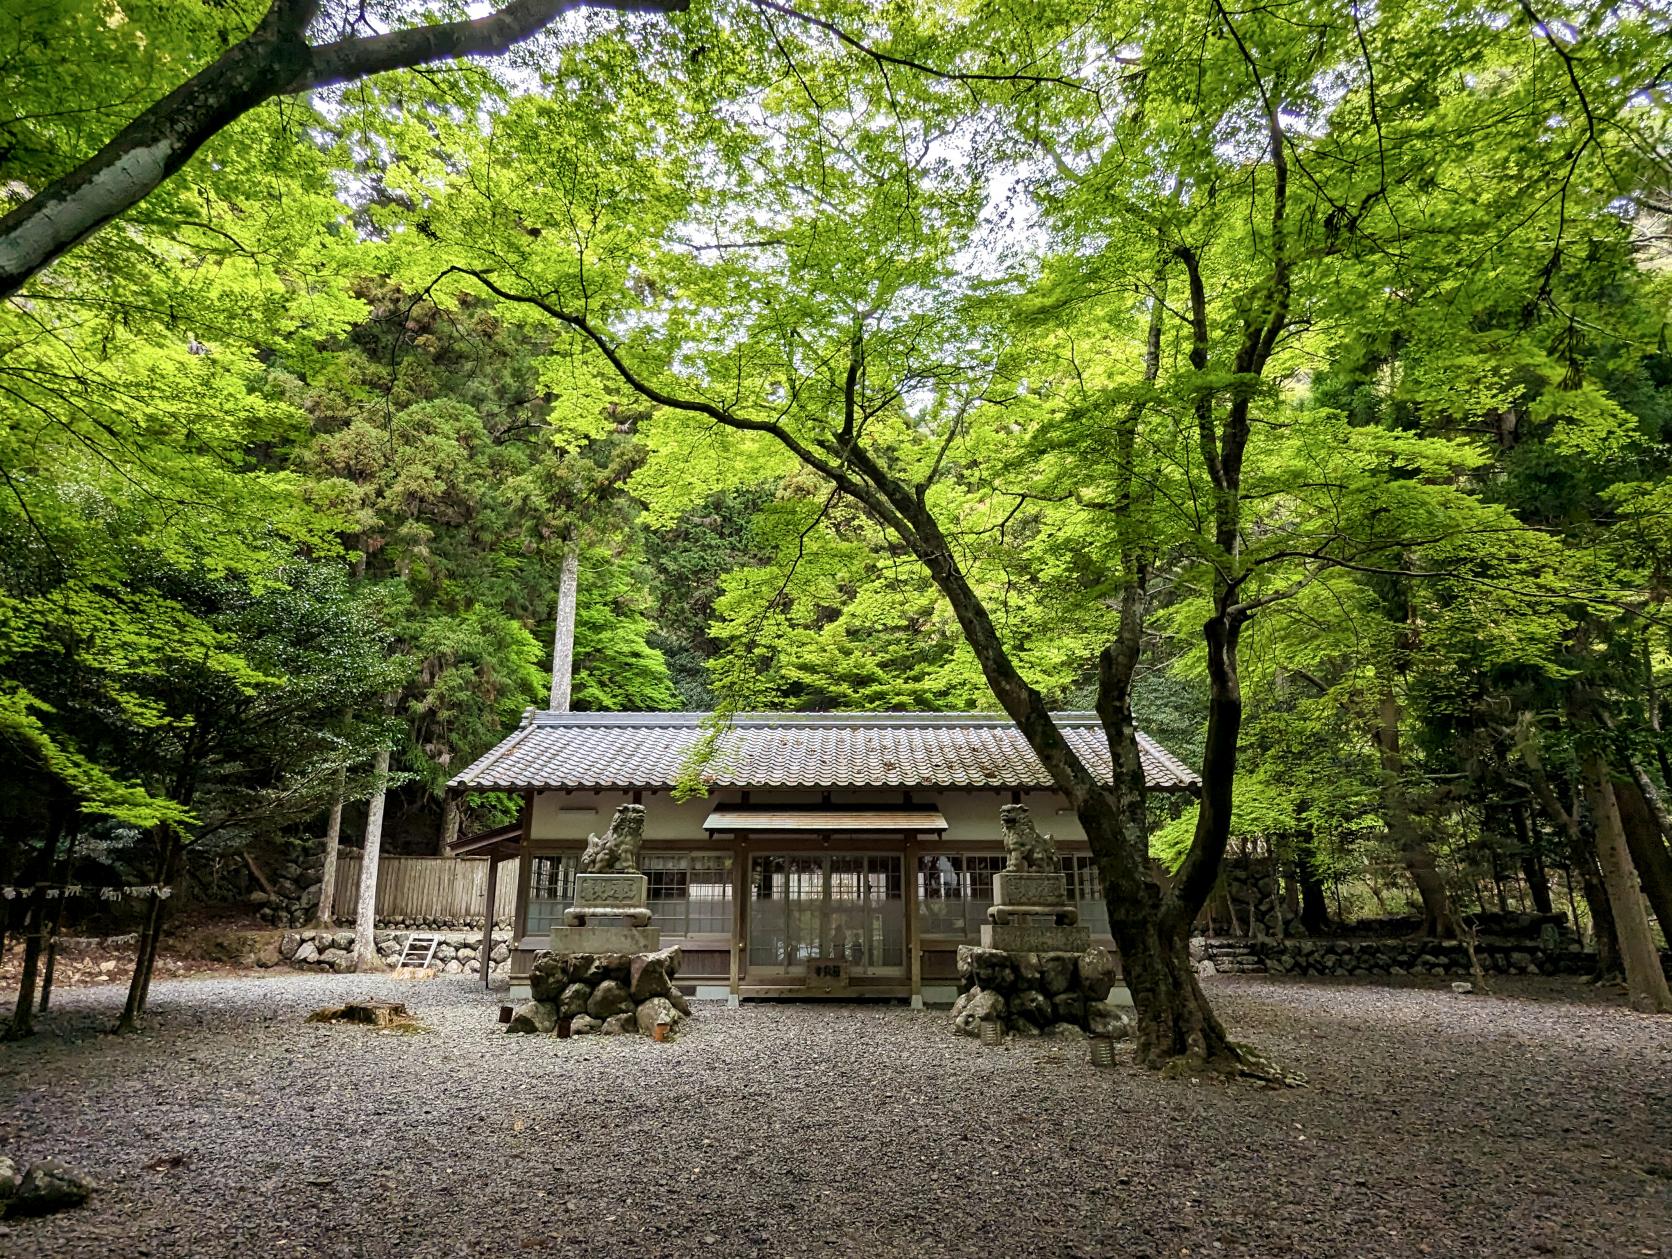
1289	380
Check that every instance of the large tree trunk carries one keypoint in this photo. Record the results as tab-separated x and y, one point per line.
1402	828
1645	980
1647	849
563	636
1176	1025
365	914
326	912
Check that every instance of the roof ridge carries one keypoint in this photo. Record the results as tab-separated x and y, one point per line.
688	718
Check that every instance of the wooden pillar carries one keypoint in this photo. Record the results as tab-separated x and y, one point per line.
519	914
486	953
913	944
740	915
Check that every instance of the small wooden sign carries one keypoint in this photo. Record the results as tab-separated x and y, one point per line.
827	975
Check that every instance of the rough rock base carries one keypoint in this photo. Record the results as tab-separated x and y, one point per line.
1032	994
603	993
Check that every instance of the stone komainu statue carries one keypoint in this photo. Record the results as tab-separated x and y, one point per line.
1026	850
616	851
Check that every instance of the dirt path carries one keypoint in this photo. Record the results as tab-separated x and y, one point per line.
1538	1123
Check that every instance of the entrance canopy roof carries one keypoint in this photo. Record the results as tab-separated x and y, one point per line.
744	819
767	751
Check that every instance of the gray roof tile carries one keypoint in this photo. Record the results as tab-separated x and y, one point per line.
649	751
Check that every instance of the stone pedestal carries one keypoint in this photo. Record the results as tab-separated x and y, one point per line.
1031	913
623	899
1043	936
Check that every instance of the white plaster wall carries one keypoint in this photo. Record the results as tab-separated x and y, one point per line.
970	815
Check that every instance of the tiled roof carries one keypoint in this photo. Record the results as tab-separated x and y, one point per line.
651	751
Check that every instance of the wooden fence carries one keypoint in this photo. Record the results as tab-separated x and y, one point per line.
426	887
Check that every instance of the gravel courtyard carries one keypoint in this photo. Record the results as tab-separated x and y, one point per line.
1435	1125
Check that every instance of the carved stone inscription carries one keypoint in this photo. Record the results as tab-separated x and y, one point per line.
609	889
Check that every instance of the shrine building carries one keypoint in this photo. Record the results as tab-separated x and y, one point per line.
833	854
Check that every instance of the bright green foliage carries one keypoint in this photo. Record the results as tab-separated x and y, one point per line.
620	283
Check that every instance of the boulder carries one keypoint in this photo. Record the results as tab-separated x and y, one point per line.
305	953
1070	1007
1032	1006
310	895
500	954
963	1001
10	1179
288	944
533	1016
573	1001
1056	972
609	999
452	967
548	978
670	959
984	1007
445	952
648	977
1026	966
986	968
616	966
270	954
46	1187
1098	973
343	939
583	1025
654	1011
335	959
677	1000
1103	1019
1065	1031
619	1025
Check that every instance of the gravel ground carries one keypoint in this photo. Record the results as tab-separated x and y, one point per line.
1533	1123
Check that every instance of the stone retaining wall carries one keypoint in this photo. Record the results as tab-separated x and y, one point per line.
458	953
1405	957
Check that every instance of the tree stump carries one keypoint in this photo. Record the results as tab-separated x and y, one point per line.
369	1013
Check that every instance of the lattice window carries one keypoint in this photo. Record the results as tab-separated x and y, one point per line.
1085	889
690	893
551	890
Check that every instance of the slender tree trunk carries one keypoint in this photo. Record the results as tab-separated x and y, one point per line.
365	916
452	818
274	59
1532	869
57	926
23	1014
563	637
1648	851
1413	846
1645	980
34	927
326	912
150	934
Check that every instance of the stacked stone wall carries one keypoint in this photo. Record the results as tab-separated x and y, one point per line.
458	953
1402	957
